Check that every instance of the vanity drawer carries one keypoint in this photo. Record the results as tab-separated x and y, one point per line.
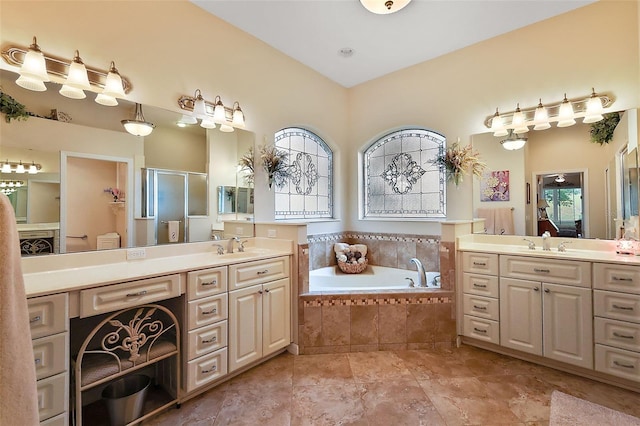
618	362
567	272
206	369
208	310
480	263
620	334
206	282
258	272
48	314
53	392
125	295
623	278
619	306
482	329
479	306
50	355
482	285
207	339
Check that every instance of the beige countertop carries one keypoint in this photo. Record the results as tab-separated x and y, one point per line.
71	272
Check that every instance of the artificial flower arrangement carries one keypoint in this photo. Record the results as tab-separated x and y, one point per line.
274	162
246	166
458	161
117	194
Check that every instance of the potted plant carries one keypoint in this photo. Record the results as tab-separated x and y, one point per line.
11	108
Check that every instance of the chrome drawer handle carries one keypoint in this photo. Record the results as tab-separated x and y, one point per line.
212	340
211	370
35	319
213	311
545	271
266	271
480	285
138	294
623	308
38	360
477	330
214	282
619	364
479	264
482	308
622	279
622	336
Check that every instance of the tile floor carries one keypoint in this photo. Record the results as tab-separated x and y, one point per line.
464	386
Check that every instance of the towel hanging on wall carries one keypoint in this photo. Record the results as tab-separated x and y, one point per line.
173	229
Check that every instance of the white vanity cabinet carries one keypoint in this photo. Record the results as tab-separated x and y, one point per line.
617	319
49	323
481	306
259	310
206	343
545	308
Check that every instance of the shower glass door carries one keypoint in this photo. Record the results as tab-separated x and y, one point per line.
171	204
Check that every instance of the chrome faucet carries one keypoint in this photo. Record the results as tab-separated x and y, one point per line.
561	246
219	248
422	275
230	244
532	245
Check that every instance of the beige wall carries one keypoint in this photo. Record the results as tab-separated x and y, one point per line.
156	46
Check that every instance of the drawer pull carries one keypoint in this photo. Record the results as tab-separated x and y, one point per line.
541	271
214	282
211	370
546	290
479	264
623	308
266	290
622	279
138	294
481	308
619	364
38	360
35	319
214	339
477	330
212	311
480	285
266	271
622	336
536	289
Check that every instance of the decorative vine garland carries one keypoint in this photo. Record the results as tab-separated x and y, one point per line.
602	131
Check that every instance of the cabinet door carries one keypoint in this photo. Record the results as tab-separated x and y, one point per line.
276	316
568	332
521	315
245	326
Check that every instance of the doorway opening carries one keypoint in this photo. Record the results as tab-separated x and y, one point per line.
561	203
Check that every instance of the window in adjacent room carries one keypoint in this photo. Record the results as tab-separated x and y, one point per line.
308	192
400	180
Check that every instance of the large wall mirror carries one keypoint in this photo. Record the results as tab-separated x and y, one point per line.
562	181
69	137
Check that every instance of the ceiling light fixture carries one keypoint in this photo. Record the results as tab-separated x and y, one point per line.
564	113
513	142
560	178
138	126
212	113
36	68
384	7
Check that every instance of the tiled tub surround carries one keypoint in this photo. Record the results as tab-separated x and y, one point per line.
376	320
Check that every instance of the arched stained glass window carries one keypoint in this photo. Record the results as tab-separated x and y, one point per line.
400	180
308	192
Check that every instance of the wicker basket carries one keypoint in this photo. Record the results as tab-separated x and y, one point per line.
352	268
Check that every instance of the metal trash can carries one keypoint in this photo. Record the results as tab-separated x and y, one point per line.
125	398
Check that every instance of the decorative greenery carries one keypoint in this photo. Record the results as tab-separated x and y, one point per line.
459	161
274	162
11	108
602	131
246	166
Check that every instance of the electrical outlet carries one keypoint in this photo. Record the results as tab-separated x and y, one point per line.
271	233
136	253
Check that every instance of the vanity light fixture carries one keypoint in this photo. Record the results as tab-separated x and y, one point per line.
214	112
37	67
384	7
18	167
138	126
513	142
564	113
11	184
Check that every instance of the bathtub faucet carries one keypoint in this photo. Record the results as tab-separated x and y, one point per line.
422	275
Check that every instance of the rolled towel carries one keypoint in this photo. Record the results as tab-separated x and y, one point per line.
340	247
362	248
342	258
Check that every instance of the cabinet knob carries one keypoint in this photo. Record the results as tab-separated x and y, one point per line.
259	291
266	290
536	289
546	290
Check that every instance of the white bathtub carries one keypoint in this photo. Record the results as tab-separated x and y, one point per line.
371	279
